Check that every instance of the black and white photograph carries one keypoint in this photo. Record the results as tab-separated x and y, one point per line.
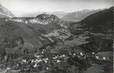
56	36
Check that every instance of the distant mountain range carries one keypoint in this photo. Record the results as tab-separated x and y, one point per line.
4	12
79	15
59	14
67	16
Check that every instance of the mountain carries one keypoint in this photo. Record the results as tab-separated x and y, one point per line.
4	12
47	28
34	14
101	21
47	17
43	19
32	32
79	15
60	14
99	28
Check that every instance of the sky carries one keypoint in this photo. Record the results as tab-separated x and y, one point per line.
21	7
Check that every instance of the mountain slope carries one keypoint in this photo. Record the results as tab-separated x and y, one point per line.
5	12
33	33
79	15
101	21
99	28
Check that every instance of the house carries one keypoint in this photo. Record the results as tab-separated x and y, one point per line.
107	56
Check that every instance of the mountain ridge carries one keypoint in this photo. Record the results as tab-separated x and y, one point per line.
79	15
4	12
